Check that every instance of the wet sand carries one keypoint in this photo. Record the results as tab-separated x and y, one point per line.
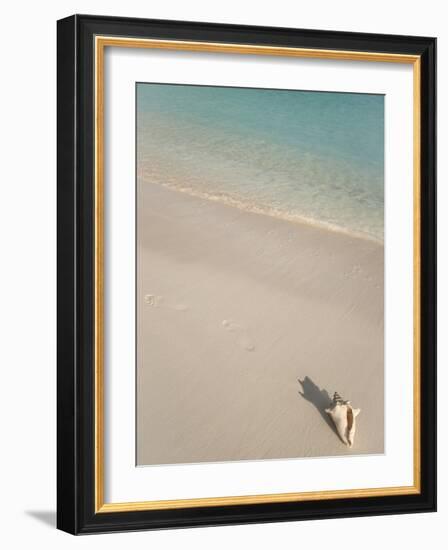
247	324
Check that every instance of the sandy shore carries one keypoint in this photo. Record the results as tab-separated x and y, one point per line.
246	325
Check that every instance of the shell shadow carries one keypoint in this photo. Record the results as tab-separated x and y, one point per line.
319	398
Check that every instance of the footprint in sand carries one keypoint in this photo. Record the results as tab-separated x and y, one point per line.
153	300
157	301
242	337
355	272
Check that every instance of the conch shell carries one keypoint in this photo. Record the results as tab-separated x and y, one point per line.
344	418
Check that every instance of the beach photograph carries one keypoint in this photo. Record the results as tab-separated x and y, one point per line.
259	274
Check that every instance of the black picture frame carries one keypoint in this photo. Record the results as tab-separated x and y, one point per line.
76	512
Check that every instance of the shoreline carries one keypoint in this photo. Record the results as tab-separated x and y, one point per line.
266	211
247	324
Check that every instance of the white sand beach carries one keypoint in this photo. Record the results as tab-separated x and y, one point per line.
246	325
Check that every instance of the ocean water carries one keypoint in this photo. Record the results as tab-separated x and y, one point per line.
315	157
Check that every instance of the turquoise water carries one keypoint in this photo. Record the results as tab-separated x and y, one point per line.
306	156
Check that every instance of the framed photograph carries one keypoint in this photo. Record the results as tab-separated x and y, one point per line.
246	274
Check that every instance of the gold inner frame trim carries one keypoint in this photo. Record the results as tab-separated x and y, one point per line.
101	42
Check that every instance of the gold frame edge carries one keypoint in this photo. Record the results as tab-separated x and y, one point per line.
100	506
